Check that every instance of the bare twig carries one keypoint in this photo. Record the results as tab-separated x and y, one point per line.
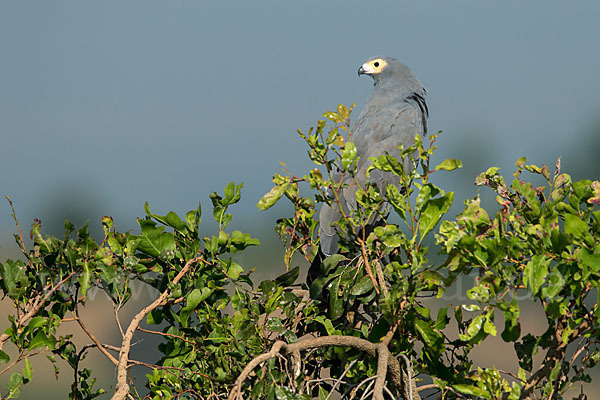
368	391
428	386
165	334
367	265
381	279
21	241
116	309
339	380
409	373
12	364
122	388
93	338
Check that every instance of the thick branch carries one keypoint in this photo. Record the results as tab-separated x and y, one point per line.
122	388
237	388
393	369
382	363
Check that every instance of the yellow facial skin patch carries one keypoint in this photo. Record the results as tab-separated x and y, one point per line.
373	67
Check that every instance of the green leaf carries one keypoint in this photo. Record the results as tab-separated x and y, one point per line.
234	270
153	241
193	218
442	318
449	164
229	192
27	370
84	280
331	262
555	283
472	390
535	272
475	326
269	199
343	111
425	193
348	155
275	324
4	358
488	324
283	393
288	278
430	337
155	317
433	212
317	286
323	393
332	116
331	331
174	221
390	235
588	259
15	381
520	163
41	340
196	296
37	322
363	286
574	225
336	303
397	200
512	327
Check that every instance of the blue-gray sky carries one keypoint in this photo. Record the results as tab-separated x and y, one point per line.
106	105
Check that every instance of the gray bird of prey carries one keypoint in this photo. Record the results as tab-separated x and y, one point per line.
393	115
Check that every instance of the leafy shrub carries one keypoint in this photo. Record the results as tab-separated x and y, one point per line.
362	328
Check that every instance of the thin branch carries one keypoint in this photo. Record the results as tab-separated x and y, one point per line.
412	386
166	367
339	380
368	266
21	241
122	388
93	338
36	307
381	279
367	392
165	334
12	364
427	387
116	309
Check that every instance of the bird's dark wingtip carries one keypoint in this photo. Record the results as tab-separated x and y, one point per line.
314	271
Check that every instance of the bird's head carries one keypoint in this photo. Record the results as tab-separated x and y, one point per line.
373	67
387	70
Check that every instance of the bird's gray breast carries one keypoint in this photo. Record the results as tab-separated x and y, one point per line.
381	129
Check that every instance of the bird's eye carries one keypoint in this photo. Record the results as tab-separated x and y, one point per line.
376	64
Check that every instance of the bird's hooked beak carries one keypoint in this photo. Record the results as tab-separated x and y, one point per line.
361	71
